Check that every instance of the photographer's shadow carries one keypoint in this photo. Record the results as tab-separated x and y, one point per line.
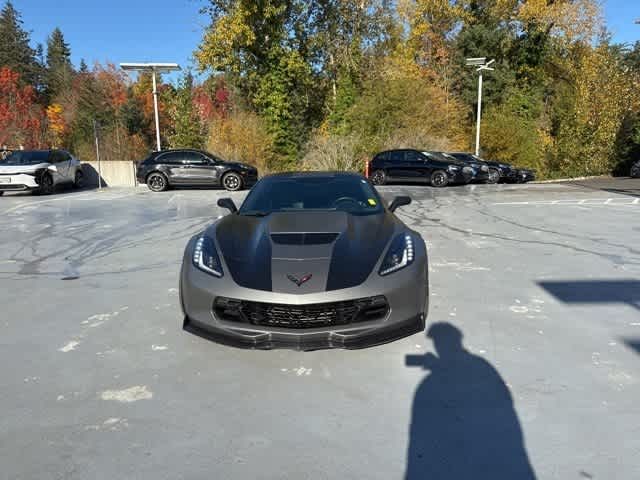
463	425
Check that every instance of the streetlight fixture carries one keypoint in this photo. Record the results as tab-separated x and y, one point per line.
154	68
482	65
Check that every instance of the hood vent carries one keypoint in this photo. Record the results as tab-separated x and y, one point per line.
303	238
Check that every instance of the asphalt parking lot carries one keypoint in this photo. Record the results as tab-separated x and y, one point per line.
542	280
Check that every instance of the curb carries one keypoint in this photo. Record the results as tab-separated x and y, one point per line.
571	179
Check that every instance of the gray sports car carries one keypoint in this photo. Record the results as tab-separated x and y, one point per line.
309	261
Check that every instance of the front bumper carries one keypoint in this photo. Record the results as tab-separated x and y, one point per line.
249	178
525	176
406	293
17	182
460	176
481	176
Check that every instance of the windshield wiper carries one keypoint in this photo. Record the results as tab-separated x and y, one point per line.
255	213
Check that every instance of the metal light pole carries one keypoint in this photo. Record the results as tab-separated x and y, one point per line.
154	68
95	134
155	109
482	65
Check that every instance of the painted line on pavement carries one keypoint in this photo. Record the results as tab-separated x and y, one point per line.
79	196
585	201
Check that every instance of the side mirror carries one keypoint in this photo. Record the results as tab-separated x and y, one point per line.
399	202
228	204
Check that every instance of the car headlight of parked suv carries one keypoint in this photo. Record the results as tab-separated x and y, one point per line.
205	257
453	168
399	255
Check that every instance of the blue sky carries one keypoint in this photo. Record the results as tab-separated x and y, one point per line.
119	30
169	30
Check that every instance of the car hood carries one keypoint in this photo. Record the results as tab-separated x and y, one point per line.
310	252
17	169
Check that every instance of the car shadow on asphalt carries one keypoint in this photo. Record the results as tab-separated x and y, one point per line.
595	291
463	424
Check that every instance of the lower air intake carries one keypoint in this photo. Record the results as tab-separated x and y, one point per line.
301	316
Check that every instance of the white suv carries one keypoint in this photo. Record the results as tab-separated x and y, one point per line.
39	171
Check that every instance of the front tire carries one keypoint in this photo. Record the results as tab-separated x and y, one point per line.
46	185
494	176
232	182
378	177
1	193
78	181
439	179
157	182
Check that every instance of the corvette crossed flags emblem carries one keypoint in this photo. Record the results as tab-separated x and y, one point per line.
300	281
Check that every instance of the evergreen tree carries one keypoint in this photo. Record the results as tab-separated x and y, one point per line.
83	66
15	51
59	68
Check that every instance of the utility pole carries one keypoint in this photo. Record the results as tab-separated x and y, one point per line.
154	68
482	65
155	109
95	134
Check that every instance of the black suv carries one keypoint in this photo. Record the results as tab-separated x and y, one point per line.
193	168
415	166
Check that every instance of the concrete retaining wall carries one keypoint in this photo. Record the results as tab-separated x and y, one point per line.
114	174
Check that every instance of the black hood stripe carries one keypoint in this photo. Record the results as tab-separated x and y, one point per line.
246	246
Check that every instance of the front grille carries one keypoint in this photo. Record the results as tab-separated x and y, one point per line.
301	316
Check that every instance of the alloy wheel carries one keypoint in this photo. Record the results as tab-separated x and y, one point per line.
232	182
156	182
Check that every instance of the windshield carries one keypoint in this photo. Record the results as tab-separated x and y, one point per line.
27	158
348	193
443	157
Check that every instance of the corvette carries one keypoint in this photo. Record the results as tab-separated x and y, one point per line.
309	261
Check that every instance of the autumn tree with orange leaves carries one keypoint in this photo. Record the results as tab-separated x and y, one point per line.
21	118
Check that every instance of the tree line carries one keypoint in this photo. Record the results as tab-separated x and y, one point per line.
324	84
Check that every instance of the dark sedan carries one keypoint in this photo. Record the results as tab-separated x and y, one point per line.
503	171
408	165
482	172
193	168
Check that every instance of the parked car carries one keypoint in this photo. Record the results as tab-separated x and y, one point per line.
635	170
410	165
39	171
310	260
483	174
525	175
505	172
192	168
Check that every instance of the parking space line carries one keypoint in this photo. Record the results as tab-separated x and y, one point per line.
79	196
585	201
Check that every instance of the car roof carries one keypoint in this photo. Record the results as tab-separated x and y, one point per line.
171	150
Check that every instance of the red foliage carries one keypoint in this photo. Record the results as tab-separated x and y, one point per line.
21	118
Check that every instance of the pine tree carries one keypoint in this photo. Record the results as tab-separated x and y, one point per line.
59	68
83	66
15	51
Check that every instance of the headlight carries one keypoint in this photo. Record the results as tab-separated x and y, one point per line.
206	258
502	165
399	255
453	168
484	168
468	170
